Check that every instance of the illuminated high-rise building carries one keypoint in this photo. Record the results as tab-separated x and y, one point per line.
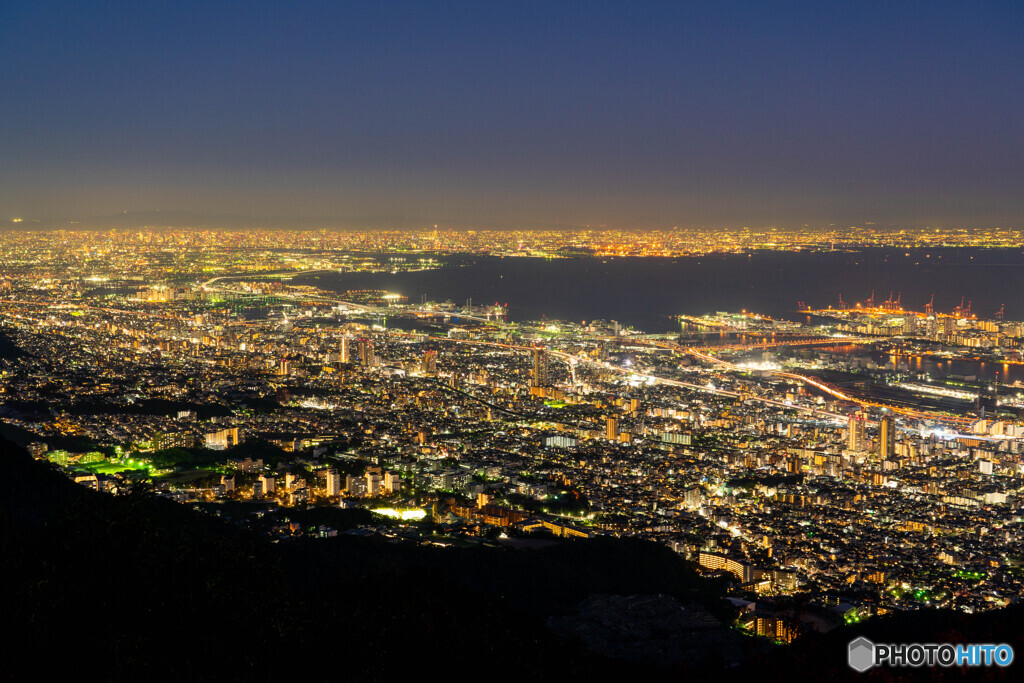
540	368
373	481
612	428
366	353
268	484
857	430
392	482
333	483
355	486
886	438
429	366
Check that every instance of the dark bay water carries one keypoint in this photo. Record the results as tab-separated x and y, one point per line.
646	292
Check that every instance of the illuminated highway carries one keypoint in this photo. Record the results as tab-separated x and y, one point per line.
836	393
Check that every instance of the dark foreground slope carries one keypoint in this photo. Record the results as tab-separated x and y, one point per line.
137	588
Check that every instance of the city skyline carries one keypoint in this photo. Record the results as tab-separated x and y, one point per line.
575	340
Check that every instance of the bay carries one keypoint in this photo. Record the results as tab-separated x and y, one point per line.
646	292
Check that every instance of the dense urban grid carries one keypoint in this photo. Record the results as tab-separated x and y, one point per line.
814	456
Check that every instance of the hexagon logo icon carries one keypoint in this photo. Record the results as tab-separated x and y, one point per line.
861	654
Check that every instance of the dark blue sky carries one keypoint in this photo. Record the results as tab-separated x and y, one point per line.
634	114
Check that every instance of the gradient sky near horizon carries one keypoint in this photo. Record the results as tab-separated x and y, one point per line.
517	113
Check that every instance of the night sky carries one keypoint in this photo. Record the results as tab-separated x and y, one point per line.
517	113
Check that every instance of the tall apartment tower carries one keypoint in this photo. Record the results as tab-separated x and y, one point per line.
333	483
429	365
392	482
886	438
267	484
366	353
857	428
373	481
540	368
